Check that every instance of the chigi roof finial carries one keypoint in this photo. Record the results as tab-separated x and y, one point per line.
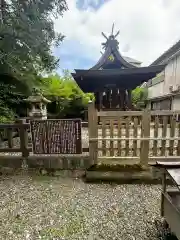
112	29
112	32
111	39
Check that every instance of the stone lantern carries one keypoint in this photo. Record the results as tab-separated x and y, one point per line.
38	105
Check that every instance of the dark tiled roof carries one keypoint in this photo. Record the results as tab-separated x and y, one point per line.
127	78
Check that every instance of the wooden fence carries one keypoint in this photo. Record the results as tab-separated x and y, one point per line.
114	135
134	135
16	146
43	137
21	129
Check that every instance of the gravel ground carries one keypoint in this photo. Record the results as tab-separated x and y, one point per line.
41	207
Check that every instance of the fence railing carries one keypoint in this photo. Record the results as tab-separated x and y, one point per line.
140	135
7	132
113	135
17	138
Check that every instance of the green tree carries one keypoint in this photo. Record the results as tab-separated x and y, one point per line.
11	98
67	98
27	35
139	96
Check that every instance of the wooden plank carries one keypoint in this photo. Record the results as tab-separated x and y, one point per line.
116	158
163	192
178	145
164	133
111	136
115	148
164	112
104	136
135	133
127	135
119	113
136	113
84	124
119	136
133	138
175	174
156	127
123	123
10	150
172	214
172	134
122	147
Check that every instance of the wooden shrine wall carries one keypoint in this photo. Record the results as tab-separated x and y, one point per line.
114	99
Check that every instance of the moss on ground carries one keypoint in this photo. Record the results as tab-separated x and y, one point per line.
116	167
75	225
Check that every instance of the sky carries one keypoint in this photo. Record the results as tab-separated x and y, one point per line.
147	29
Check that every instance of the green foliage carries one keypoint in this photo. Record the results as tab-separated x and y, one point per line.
26	38
139	96
27	35
6	114
11	99
67	98
4	119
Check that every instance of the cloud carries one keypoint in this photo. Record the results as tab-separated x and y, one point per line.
147	28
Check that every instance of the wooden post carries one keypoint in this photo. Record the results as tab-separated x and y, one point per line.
86	115
23	139
163	191
129	100
93	132
100	101
144	154
10	137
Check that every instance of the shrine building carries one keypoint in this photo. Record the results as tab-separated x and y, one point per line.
113	77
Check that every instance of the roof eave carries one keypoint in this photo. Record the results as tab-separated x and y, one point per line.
134	70
168	54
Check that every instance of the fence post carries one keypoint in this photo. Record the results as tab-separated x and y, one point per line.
146	121
23	139
93	132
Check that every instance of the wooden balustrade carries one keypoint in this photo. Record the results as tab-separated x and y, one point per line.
140	135
9	131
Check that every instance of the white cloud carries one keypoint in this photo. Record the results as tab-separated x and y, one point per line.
147	27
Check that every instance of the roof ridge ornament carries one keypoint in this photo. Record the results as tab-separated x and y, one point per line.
111	40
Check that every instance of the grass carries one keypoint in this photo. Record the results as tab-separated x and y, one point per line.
74	226
116	167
